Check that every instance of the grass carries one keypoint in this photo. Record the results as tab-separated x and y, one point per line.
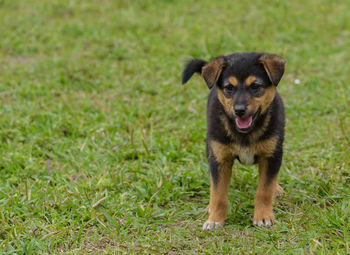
103	151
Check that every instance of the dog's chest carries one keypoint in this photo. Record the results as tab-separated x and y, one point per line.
246	156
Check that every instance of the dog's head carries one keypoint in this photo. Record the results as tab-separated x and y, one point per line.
246	83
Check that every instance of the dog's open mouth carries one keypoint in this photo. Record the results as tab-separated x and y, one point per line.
244	124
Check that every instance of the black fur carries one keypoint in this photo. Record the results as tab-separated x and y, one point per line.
193	66
214	169
216	130
241	65
274	163
245	121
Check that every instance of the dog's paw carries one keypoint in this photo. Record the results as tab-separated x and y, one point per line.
264	220
210	225
279	191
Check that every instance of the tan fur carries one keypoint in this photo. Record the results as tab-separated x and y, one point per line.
250	79
240	142
274	66
265	195
224	155
265	147
254	102
279	191
218	204
227	103
211	71
223	152
264	101
257	133
227	127
233	81
254	135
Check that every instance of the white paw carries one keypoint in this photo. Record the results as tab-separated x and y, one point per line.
263	223
209	225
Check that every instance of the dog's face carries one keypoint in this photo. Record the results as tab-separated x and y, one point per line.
246	84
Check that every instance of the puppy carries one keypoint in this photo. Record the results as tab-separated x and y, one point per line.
245	121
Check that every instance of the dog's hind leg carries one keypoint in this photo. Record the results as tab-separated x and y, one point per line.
279	191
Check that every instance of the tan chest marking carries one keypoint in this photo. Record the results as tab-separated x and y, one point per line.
246	155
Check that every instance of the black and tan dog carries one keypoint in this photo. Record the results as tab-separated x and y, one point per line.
245	117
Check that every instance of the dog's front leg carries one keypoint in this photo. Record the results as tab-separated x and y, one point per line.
263	202
220	177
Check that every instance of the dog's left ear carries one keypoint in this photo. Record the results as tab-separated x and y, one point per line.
211	71
274	67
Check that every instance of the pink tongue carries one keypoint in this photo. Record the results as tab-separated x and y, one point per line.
244	123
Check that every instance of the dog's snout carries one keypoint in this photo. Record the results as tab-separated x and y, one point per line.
240	110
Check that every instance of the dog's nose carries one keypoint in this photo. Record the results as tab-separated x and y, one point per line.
239	110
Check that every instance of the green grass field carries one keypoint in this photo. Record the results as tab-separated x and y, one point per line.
103	151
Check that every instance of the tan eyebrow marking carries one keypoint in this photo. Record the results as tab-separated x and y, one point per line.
233	81
250	80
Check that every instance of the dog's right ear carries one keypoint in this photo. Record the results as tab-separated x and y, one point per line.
274	66
210	71
193	66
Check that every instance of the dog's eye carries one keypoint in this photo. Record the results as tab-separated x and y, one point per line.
229	88
255	86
